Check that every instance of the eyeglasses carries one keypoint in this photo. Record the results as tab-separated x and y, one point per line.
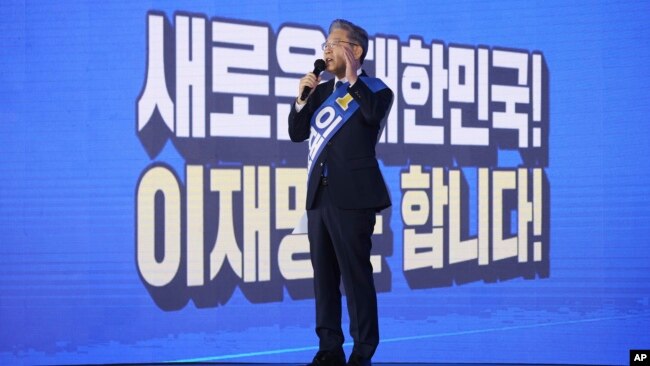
334	43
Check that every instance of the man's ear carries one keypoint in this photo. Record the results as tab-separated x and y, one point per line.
358	51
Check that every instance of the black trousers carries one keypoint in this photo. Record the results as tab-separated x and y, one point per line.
339	242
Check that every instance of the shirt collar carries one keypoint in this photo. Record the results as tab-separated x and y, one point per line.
345	80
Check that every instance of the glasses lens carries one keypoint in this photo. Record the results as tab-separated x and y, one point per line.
330	45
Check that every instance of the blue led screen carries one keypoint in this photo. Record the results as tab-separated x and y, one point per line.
148	187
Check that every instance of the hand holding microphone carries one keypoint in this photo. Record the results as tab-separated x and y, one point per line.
311	80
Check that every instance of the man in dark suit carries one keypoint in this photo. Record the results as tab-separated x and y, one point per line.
345	190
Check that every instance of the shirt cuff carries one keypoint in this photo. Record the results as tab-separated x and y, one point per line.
299	107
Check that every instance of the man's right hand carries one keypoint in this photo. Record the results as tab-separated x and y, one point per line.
309	80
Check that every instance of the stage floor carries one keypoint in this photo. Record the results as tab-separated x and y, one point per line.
374	364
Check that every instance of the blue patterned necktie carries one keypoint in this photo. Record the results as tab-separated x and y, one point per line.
338	84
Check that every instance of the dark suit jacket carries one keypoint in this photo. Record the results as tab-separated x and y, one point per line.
354	178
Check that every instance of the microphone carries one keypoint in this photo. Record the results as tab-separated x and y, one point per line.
319	66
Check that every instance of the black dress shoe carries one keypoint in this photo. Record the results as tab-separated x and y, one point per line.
329	358
357	360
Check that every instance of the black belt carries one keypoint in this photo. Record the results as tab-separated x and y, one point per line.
323	181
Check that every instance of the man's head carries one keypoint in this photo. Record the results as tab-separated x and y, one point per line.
343	33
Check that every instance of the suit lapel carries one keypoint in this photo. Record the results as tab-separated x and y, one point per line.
326	91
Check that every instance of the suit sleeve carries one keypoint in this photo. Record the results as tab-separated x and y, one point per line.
373	106
300	122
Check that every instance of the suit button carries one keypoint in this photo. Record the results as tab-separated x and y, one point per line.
321	164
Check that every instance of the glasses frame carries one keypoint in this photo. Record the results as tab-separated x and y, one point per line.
335	43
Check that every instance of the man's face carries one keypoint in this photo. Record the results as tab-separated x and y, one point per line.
334	56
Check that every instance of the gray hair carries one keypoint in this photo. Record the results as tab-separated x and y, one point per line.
356	34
